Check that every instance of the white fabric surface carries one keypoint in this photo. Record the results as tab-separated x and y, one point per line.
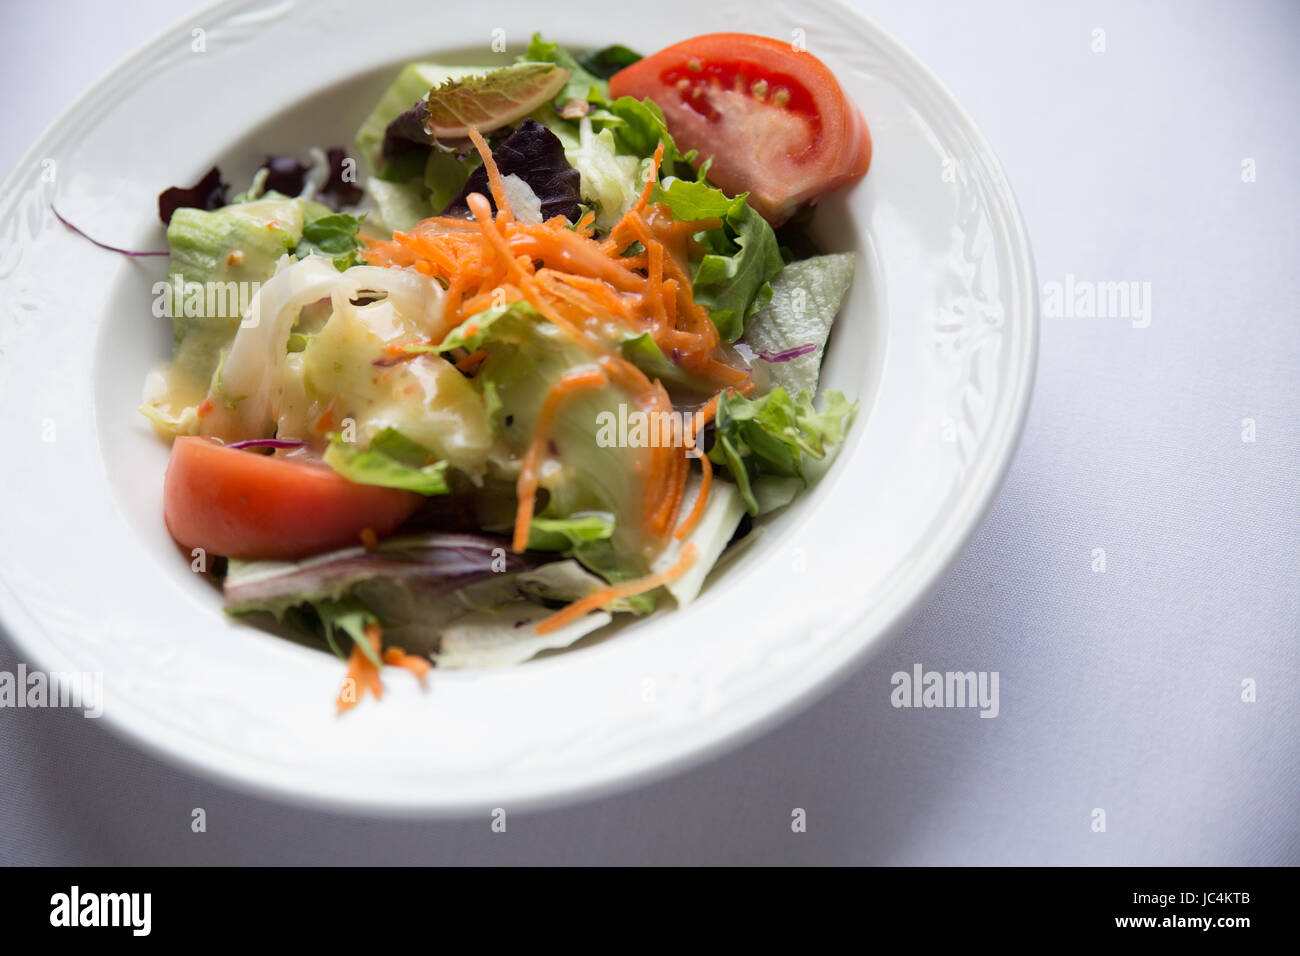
1119	690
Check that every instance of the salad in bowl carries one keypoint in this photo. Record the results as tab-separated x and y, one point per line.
535	351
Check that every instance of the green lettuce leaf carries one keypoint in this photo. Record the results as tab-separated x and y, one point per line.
602	558
605	63
392	460
219	255
474	331
609	180
643	352
582	84
400	205
526	354
561	534
806	295
638	127
723	511
770	435
733	280
490	100
351	617
411	84
333	236
820	430
445	173
404	168
689	201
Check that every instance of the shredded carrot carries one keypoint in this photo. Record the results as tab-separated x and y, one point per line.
705	414
615	592
582	285
667	477
652	177
626	374
472	361
656	256
697	509
553	283
675	488
529	472
432	251
478	205
419	666
326	420
725	373
656	478
702	418
670	303
362	674
369	539
550	309
495	181
400	348
681	471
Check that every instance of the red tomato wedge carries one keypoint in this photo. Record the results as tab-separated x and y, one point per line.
244	505
774	119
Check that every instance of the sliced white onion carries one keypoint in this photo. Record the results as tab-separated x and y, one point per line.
523	201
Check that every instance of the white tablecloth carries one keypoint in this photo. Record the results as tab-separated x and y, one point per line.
1120	690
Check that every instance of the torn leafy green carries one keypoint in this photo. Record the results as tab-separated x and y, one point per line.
733	280
391	461
770	435
333	236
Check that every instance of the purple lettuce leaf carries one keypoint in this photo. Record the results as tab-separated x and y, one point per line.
407	132
433	563
208	193
337	191
103	245
786	355
285	174
536	155
288	175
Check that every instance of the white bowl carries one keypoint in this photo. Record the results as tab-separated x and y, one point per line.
937	341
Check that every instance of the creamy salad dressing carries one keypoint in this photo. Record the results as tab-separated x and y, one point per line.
335	378
347	370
